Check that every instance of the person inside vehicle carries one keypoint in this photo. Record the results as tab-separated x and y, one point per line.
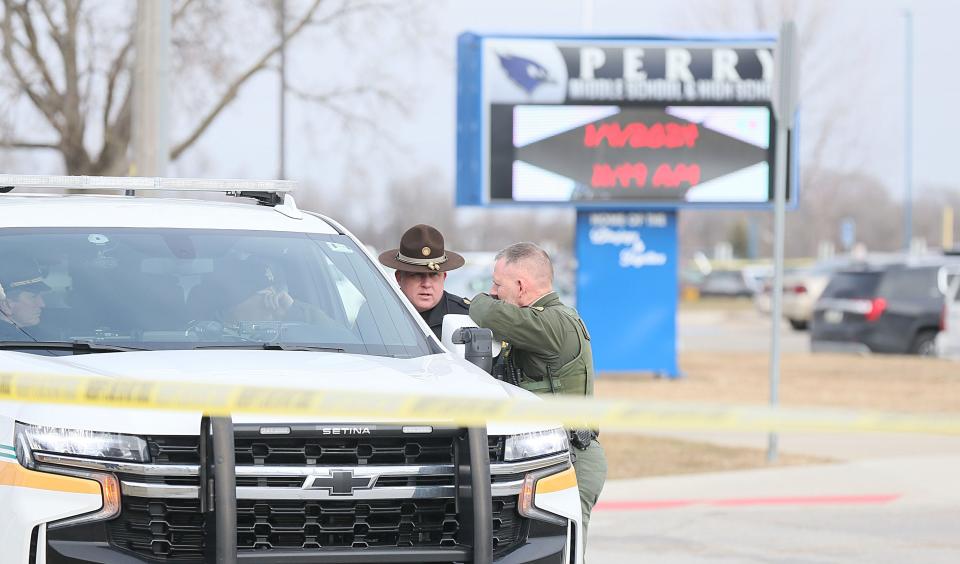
21	296
421	265
252	291
247	290
257	295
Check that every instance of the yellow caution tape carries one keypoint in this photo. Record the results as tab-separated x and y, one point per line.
332	405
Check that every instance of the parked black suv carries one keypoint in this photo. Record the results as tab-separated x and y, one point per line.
892	308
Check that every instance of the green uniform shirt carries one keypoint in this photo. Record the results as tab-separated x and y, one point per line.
547	341
550	344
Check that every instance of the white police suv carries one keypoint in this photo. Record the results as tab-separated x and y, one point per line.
185	290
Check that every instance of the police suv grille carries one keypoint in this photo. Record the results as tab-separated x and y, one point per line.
374	524
173	530
174	449
497	443
186	449
166	529
161	519
344	451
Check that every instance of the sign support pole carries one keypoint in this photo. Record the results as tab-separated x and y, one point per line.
785	102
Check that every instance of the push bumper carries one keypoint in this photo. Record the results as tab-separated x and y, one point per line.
88	544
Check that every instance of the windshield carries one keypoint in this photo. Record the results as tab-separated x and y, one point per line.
852	285
185	289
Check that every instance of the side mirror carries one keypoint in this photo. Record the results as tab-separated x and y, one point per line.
453	322
478	346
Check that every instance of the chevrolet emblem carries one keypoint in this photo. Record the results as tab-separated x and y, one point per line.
339	482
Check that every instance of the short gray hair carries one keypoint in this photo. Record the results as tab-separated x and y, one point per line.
530	253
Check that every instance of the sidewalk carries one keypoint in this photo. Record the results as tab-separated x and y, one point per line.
932	478
882	510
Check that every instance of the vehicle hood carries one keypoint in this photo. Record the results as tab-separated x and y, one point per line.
440	374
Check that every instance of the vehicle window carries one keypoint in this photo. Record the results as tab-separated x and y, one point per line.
183	289
351	297
725	276
724	279
852	285
911	284
825	267
951	284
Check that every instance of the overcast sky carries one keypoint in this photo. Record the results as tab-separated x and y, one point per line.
859	71
862	52
855	83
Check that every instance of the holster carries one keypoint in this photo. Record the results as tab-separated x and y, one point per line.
505	371
581	438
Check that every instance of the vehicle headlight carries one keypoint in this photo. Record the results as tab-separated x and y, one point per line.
75	442
90	444
539	443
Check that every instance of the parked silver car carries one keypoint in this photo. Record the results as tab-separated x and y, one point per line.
802	289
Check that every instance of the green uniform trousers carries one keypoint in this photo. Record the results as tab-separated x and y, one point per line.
591	469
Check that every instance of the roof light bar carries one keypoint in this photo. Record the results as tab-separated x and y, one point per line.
145	183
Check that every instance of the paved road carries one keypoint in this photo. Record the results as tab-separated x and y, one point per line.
889	498
734	331
880	510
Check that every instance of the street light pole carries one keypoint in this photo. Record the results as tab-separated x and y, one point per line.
908	133
282	31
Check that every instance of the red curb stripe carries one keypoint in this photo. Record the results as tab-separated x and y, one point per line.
641	505
812	500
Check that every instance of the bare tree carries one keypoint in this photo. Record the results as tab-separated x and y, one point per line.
701	230
838	195
825	100
426	197
928	213
70	63
831	137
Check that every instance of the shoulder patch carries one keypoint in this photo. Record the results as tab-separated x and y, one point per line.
466	301
586	334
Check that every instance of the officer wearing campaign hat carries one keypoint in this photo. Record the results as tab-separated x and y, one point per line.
21	296
421	263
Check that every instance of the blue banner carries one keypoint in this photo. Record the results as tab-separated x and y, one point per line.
627	289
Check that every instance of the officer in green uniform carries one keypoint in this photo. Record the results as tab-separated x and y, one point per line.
548	348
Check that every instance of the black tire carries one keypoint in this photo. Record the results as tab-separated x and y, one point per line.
924	344
798	324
